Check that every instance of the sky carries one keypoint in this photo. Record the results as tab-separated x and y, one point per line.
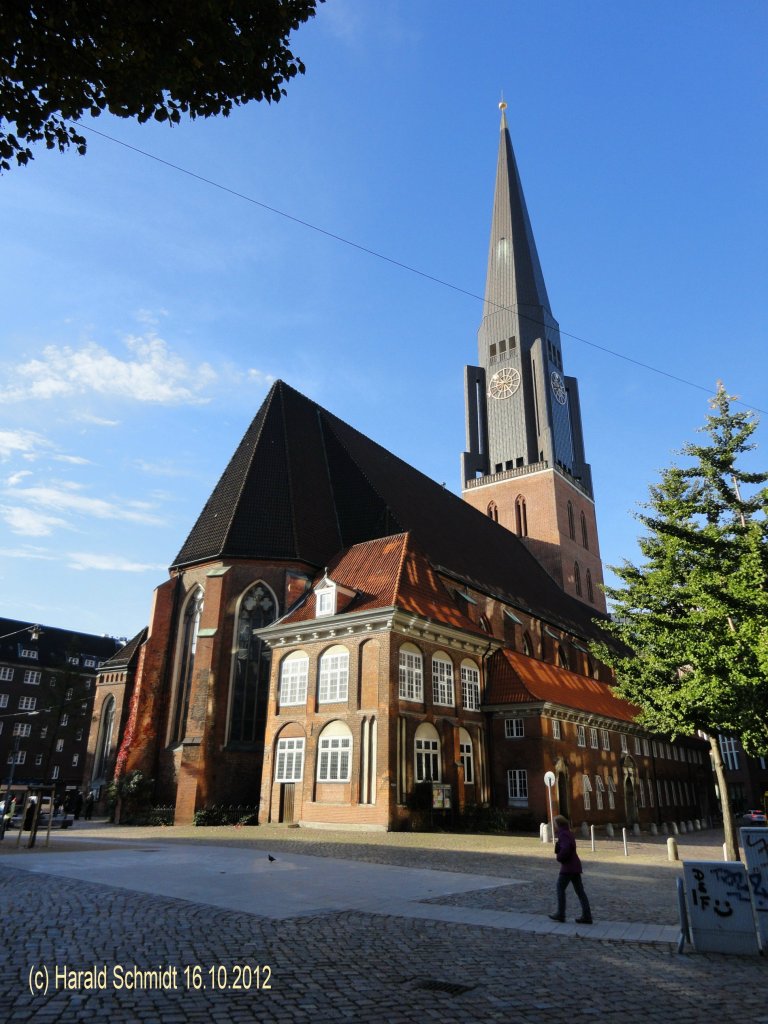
147	311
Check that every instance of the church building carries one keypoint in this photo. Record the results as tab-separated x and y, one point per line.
344	642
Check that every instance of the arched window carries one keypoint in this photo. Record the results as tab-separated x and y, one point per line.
590	589
584	534
442	680
521	516
334	753
527	645
294	671
562	657
250	669
485	624
427	753
185	663
467	760
470	685
587	791
577	578
333	677
493	511
104	742
411	673
571	527
599	789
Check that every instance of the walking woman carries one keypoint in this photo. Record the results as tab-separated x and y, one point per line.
570	872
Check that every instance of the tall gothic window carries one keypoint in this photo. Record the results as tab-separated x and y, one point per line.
250	670
521	517
186	663
590	588
571	527
104	742
493	511
584	534
577	578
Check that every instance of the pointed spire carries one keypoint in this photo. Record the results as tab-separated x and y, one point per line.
514	276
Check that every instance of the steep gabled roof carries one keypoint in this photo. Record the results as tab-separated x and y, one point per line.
517	679
303	485
391	572
123	657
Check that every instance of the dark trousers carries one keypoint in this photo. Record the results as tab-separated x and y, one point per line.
562	884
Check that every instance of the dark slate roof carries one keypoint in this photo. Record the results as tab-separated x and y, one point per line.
123	657
302	485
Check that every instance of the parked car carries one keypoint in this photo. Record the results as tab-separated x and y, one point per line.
754	818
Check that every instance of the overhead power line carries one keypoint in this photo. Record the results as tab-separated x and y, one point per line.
397	263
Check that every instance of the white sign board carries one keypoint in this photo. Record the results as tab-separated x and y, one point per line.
755	844
720	907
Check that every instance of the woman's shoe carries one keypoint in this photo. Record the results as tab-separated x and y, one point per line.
583	920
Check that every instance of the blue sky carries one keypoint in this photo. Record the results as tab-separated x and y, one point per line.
145	312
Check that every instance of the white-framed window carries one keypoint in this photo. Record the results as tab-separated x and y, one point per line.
289	760
623	743
654	748
28	652
470	686
611	792
606	737
334	755
650	792
6	673
411	673
87	684
55	772
294	672
59	745
73	659
586	789
729	751
75	759
52	682
427	753
581	736
442	680
64	719
467	758
599	790
27	703
3	700
333	685
514	728
556	731
22	729
640	793
638	745
517	787
68	694
325	601
89	662
78	735
593	740
21	757
32	676
43	731
646	747
38	759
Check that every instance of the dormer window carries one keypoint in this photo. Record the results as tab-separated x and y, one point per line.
326	601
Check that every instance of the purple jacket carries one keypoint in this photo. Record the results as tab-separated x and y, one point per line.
565	851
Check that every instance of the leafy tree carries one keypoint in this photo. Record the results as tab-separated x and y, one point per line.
691	620
143	58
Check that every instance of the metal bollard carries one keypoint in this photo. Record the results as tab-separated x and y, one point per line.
592	833
624	837
672	849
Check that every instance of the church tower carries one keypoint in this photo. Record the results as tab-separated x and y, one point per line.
525	465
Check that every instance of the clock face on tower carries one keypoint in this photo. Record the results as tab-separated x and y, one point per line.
504	383
558	387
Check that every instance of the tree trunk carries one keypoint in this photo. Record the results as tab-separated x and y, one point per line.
731	839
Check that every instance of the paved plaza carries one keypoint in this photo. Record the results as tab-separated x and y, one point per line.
262	924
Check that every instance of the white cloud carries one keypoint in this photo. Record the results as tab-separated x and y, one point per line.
16	478
28	523
75	460
27	552
152	373
65	498
99	421
109	563
20	442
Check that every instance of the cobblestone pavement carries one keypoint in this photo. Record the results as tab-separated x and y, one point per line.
354	966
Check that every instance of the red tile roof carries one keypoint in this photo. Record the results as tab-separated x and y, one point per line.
391	572
517	679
